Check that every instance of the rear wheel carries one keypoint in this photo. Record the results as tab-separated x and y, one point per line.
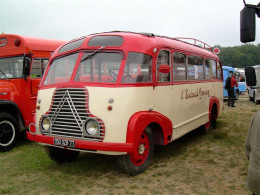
212	123
9	132
61	155
136	162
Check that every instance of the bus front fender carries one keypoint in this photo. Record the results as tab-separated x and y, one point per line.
140	120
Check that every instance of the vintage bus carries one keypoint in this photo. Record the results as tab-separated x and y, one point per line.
120	93
22	63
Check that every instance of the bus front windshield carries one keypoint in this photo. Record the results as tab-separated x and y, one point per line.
101	67
11	67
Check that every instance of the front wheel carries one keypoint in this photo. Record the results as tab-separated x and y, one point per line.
9	132
136	162
61	155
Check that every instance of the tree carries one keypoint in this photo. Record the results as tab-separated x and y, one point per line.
240	56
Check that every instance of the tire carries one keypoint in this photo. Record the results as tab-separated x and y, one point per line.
204	129
9	132
211	124
250	98
61	155
136	162
255	100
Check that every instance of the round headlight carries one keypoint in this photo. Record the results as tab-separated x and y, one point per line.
46	124
92	127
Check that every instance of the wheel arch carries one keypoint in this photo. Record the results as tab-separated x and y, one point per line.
160	125
214	108
11	108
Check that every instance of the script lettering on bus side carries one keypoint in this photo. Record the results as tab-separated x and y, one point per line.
198	93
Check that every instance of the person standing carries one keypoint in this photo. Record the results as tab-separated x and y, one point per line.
231	93
253	155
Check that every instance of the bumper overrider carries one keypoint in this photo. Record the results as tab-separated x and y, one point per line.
80	144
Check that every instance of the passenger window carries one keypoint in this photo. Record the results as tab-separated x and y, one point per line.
179	67
210	69
163	58
195	68
138	68
219	70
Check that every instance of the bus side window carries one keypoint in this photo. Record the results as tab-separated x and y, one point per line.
179	67
44	64
210	69
219	70
163	58
38	67
195	68
138	68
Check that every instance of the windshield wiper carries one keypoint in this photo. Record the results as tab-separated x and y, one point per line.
92	54
4	74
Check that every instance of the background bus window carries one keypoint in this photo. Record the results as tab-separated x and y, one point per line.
179	67
138	68
219	70
210	69
38	67
163	58
11	67
195	68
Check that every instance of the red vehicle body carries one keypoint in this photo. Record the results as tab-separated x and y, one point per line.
22	63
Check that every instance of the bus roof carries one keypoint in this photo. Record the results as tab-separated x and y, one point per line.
11	44
147	42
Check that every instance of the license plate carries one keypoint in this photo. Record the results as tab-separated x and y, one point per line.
64	143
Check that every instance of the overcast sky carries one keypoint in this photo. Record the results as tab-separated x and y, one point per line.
211	21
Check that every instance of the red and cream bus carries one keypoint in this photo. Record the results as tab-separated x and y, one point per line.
22	63
120	93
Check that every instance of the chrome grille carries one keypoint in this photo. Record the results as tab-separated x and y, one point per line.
68	112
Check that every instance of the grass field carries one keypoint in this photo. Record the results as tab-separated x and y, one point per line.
194	164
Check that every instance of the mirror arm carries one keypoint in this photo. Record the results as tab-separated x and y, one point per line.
256	7
26	65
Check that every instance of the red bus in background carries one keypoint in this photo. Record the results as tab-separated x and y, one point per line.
22	64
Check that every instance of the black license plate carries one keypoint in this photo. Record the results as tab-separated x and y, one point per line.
64	143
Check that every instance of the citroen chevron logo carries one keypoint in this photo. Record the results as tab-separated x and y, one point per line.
67	98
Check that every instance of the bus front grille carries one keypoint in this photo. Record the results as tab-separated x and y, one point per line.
68	112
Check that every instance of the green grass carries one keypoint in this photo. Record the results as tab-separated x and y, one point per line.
214	163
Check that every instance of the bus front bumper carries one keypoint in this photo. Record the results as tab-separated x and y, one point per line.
82	145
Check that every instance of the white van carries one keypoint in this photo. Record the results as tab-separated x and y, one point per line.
253	81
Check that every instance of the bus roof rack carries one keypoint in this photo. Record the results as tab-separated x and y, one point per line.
195	42
190	41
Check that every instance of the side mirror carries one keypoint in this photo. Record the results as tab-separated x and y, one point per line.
26	66
164	68
250	76
247	25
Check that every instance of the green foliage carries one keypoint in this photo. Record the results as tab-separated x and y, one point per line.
240	56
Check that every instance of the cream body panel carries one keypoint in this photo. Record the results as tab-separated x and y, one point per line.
45	97
186	105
